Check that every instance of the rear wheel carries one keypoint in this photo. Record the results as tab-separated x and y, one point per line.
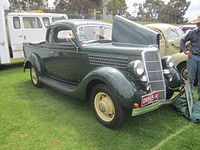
106	109
34	77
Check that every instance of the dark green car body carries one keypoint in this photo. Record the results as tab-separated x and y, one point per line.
76	67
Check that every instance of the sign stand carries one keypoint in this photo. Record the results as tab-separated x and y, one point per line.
189	98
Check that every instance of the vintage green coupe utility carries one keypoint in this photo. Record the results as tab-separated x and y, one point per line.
118	67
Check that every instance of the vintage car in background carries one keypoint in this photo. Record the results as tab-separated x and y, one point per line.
170	44
187	27
117	67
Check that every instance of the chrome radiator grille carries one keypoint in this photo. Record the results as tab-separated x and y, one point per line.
153	68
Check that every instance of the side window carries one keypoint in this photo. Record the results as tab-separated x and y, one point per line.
32	22
56	19
16	23
63	35
46	21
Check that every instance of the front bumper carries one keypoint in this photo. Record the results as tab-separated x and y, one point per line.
148	108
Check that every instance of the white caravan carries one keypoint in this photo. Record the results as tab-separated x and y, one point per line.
17	28
29	28
4	51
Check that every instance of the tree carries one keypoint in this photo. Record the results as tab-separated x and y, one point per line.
156	10
174	11
117	7
21	4
150	10
80	6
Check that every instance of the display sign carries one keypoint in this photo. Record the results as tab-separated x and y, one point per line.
149	98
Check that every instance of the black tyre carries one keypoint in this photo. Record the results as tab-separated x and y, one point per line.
184	73
169	94
106	108
34	77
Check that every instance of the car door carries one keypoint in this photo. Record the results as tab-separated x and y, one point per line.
63	60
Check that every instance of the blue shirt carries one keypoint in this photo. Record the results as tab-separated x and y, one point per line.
194	37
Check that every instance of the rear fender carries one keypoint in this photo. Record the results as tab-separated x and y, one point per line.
34	60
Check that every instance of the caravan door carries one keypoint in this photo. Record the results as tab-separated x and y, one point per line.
16	36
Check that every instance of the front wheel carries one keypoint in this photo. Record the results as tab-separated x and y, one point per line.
184	73
34	77
169	94
106	109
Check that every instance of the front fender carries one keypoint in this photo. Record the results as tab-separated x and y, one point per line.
179	58
176	79
124	89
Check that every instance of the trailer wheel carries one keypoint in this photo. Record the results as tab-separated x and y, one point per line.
34	77
106	108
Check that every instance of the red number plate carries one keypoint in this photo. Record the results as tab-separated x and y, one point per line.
149	98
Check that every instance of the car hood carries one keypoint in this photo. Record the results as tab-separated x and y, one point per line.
126	31
117	48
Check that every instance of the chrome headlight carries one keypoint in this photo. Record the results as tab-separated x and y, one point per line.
168	62
138	67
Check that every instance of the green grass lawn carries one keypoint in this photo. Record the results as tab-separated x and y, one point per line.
44	119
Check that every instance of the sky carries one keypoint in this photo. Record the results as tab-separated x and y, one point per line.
192	12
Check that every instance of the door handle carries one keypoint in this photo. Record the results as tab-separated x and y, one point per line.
20	36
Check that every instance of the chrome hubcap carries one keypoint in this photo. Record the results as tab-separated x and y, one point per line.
104	106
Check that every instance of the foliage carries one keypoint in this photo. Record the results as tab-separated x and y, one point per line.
174	11
156	10
150	10
21	4
45	119
117	7
79	6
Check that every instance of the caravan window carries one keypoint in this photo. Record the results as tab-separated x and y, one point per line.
32	22
16	23
46	21
57	19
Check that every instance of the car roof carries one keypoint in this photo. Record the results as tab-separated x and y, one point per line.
78	22
35	14
160	25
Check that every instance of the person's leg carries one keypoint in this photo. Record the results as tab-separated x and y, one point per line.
198	75
192	69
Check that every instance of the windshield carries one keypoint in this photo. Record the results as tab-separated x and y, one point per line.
94	33
174	33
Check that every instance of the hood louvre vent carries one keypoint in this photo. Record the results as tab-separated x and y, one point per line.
114	61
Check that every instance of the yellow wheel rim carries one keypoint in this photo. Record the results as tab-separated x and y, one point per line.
34	76
104	106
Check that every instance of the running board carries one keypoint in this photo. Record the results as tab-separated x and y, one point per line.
61	86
